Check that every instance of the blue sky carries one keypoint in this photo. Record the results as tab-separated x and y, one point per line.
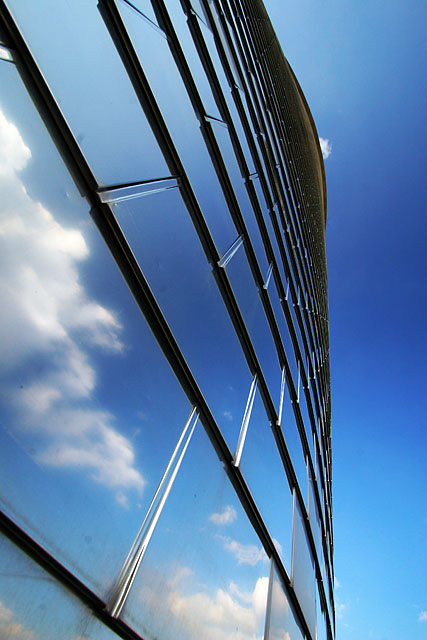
362	68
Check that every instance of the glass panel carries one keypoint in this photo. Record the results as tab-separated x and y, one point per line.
166	245
85	429
225	45
70	40
179	21
172	98
293	442
320	622
260	196
226	148
283	328
204	574
34	606
313	515
263	470
282	620
252	311
213	53
200	10
306	419
303	572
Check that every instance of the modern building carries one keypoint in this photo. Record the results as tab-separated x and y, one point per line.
165	411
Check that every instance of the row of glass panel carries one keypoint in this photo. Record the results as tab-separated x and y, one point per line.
47	395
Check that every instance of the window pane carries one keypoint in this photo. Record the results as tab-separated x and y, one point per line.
85	431
166	245
33	605
320	622
249	302
227	152
263	470
293	442
177	110
204	574
314	518
179	21
303	572
282	622
70	41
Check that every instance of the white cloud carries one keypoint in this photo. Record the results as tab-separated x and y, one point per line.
47	316
10	628
185	607
340	609
279	634
423	616
228	415
326	147
226	615
244	553
337	583
227	516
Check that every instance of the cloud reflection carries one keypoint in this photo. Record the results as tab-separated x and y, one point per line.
48	328
10	627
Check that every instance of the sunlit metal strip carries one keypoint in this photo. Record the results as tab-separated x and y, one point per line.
268	276
269	601
112	195
5	54
245	422
128	573
216	121
226	257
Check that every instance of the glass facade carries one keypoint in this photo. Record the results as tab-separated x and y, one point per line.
165	449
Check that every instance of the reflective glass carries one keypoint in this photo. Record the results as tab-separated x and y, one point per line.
166	245
270	228
283	328
225	44
183	126
313	515
83	409
264	472
226	148
293	442
282	624
204	574
235	118
306	419
179	21
213	53
260	195
320	623
253	314
303	577
33	605
97	98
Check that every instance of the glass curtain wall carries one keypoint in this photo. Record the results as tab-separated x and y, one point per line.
165	447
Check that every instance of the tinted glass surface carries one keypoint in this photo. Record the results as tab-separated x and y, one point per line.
166	245
111	129
264	472
204	574
85	429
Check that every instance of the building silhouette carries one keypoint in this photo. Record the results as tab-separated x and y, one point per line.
165	414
